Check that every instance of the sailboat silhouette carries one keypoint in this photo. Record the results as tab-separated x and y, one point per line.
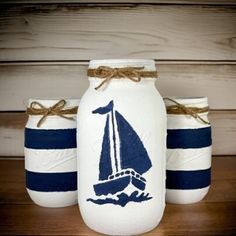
123	167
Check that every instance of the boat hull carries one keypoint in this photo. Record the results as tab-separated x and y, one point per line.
117	185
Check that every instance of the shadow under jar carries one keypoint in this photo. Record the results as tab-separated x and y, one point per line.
51	152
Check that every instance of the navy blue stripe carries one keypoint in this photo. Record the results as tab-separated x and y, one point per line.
51	182
189	138
193	179
50	139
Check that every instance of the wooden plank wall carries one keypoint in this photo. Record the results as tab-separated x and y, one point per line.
45	47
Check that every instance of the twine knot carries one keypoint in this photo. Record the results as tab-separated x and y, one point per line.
108	73
37	108
182	109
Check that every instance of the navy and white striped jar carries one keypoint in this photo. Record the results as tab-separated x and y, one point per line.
188	164
51	157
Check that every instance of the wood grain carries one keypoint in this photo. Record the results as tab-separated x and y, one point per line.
12	182
199	219
82	32
193	42
21	81
188	2
215	215
223	133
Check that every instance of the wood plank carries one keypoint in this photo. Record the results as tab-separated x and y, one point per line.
82	32
188	2
216	81
223	133
12	141
197	219
215	215
12	181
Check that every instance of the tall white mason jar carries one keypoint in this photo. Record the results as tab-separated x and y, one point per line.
122	146
189	143
51	153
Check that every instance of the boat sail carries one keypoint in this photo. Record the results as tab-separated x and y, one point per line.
129	163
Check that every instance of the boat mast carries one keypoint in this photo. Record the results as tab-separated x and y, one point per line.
114	138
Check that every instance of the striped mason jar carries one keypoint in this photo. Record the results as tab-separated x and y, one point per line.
188	165
50	155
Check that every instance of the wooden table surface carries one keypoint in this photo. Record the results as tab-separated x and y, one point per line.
215	215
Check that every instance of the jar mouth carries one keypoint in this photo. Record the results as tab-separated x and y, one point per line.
148	64
48	102
189	101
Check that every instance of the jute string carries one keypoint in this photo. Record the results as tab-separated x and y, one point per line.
37	108
107	73
181	109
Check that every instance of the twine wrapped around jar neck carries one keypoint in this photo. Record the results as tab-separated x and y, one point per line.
182	109
108	73
37	108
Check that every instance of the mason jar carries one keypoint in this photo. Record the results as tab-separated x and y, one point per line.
188	164
50	152
122	146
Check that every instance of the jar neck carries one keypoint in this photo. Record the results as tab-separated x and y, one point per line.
196	107
148	65
121	72
42	109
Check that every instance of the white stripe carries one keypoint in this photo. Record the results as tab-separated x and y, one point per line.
52	122
188	159
185	122
53	199
186	196
51	160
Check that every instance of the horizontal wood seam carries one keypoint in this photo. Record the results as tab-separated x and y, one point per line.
7	158
120	3
23	111
86	62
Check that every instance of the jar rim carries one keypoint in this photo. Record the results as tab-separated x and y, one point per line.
189	101
52	101
147	63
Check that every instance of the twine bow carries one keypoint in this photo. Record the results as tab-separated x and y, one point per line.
108	73
37	108
181	109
